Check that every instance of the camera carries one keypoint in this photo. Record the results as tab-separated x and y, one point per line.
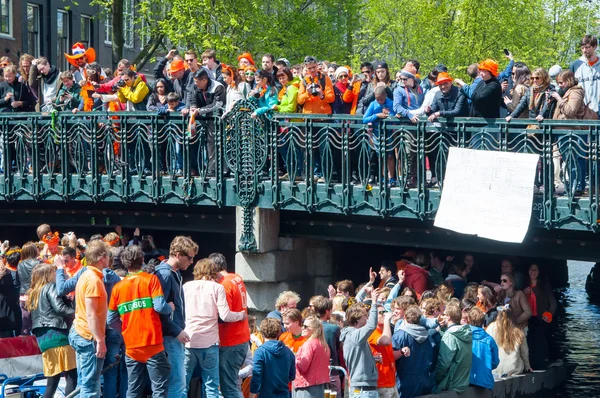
313	89
118	85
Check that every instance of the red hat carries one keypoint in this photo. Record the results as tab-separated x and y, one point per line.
443	77
176	66
79	51
248	56
490	65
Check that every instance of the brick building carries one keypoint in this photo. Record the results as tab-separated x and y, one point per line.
50	27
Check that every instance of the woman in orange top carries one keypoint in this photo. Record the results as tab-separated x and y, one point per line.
487	303
292	338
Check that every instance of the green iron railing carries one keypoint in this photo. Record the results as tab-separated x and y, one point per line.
314	163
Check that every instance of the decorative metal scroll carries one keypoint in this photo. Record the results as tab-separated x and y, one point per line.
246	156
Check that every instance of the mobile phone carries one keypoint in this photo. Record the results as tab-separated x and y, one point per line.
506	52
5	243
360	76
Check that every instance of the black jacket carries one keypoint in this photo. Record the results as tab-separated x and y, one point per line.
545	106
20	93
209	100
182	87
10	311
452	105
486	99
51	310
24	269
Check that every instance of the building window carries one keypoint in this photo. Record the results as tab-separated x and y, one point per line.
6	17
108	29
128	23
62	36
33	30
86	31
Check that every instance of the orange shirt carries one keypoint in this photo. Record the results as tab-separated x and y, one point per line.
90	285
387	368
142	329
234	333
292	342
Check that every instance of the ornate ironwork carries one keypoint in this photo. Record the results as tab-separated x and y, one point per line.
315	163
246	155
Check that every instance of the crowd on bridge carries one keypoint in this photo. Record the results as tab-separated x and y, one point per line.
202	86
421	324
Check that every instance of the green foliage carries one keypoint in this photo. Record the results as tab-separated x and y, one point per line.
454	32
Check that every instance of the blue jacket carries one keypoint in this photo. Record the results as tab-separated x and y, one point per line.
65	285
266	102
172	285
414	374
274	367
405	101
374	108
485	358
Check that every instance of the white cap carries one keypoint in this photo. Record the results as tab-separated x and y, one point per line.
554	71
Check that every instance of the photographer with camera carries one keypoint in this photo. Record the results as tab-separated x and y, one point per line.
69	95
132	90
316	90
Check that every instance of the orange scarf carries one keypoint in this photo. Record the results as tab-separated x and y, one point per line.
88	102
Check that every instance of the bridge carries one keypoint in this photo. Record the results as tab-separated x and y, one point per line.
219	173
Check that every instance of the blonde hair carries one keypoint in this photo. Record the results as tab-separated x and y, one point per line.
42	275
337	302
286	297
317	331
445	292
182	245
95	251
111	237
507	336
206	268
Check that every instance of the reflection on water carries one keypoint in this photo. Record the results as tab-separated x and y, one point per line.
578	334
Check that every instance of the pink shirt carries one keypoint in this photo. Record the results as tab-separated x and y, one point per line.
312	364
205	302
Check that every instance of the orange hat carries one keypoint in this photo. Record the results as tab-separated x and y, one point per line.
443	77
252	68
490	65
248	56
79	51
176	66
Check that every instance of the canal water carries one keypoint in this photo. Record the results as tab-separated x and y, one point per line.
577	334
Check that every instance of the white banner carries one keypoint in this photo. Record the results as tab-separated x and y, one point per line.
488	194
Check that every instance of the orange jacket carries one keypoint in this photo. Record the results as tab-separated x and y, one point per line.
314	104
352	96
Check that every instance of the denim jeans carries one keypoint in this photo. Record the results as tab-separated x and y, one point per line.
88	365
176	357
114	343
158	369
207	359
231	360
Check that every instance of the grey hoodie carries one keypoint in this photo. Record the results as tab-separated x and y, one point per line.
589	78
357	353
418	332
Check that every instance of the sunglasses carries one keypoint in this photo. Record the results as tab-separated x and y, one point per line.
536	78
250	74
504	280
343	76
91	71
190	60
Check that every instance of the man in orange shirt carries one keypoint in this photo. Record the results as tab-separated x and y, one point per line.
233	336
89	327
135	303
381	346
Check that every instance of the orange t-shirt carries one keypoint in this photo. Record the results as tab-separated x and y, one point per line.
292	342
234	333
142	329
91	285
387	368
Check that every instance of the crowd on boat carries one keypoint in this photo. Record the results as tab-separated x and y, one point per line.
424	323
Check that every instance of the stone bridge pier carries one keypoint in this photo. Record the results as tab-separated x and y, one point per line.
278	264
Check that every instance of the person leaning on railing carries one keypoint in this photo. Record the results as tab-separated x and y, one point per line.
570	104
14	95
